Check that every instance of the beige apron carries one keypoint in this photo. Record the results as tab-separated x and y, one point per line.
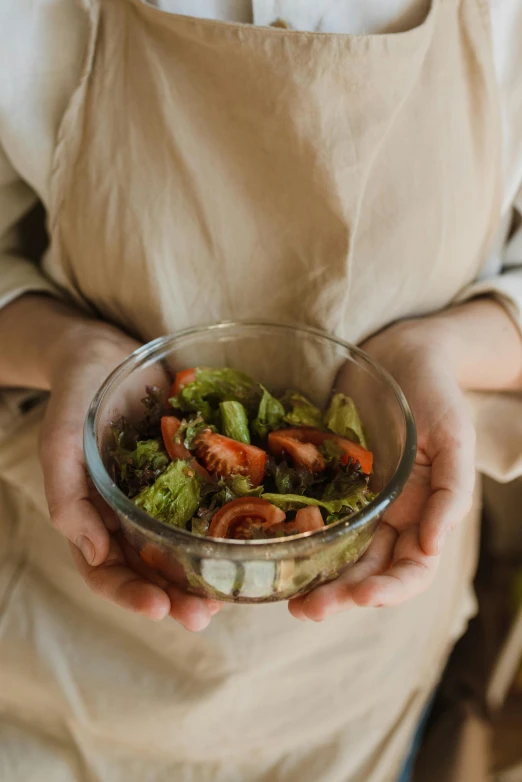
206	171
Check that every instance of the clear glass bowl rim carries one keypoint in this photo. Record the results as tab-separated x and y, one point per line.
217	548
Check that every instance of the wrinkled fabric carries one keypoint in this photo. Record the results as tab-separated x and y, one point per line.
42	51
208	171
287	191
89	692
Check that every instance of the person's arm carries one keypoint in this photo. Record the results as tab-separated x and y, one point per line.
475	346
482	343
31	329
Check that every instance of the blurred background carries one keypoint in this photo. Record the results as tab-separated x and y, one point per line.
475	730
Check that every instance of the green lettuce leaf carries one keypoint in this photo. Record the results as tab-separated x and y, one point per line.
148	453
240	486
355	501
331	451
218	493
200	525
300	411
190	428
174	497
234	421
343	418
289	480
270	415
134	464
213	386
343	484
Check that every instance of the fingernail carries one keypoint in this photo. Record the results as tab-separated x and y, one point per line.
441	541
86	547
158	615
200	622
214	608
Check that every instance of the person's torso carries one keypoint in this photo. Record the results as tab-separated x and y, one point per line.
210	171
207	171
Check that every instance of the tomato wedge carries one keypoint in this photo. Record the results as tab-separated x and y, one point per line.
307	519
158	559
226	457
181	380
169	428
236	518
154	557
350	450
303	454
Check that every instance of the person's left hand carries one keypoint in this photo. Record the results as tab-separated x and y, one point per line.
404	555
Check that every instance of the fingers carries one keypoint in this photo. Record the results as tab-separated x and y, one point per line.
452	483
104	511
75	509
116	582
339	594
71	510
99	558
79	513
194	613
135	562
410	574
393	570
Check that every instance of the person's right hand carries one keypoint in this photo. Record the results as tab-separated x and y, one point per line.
80	361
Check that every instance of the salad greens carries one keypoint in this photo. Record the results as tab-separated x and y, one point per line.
174	497
240	486
153	406
342	418
270	414
300	411
218	493
190	429
212	386
220	452
289	480
135	463
235	421
354	501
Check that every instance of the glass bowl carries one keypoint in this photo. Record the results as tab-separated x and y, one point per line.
280	357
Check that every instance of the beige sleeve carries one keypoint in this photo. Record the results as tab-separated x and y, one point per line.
506	286
18	275
497	416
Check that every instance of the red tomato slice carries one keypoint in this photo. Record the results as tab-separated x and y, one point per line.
235	518
351	450
158	559
303	454
181	380
169	428
154	557
307	519
226	457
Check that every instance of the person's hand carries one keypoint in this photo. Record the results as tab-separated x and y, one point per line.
80	361
404	555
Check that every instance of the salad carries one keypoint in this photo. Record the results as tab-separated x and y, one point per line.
221	456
